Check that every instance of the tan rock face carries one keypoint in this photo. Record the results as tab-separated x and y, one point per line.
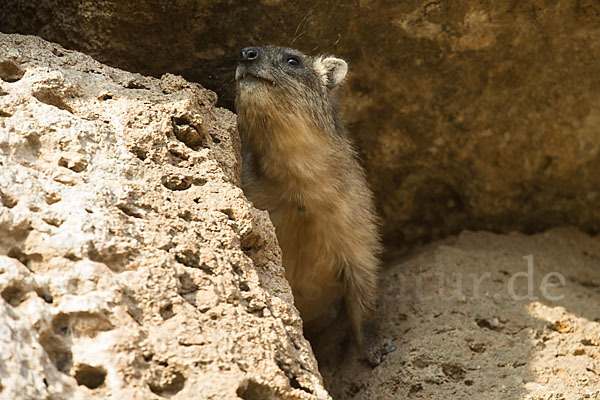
131	265
480	115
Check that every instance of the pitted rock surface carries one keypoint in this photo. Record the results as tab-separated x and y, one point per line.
131	264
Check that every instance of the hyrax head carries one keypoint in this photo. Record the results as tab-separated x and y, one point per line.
271	78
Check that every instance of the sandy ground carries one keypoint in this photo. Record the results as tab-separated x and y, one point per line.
486	316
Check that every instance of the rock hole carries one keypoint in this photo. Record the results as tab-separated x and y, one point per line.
34	141
58	52
176	182
10	72
477	347
187	133
187	288
43	294
249	389
139	153
106	97
13	295
238	270
229	213
74	164
215	139
24	258
296	385
52	198
61	325
243	286
92	377
18	254
72	256
590	342
491	325
129	210
134	84
80	324
251	240
4	114
133	308
166	381
179	153
188	258
167	311
53	220
58	351
454	372
7	200
287	370
199	182
52	99
92	252
186	216
187	284
416	388
421	362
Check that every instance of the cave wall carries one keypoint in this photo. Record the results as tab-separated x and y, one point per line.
467	115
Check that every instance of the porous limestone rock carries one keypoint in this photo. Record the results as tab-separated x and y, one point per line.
477	115
131	264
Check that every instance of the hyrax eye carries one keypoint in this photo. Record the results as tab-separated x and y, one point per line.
294	61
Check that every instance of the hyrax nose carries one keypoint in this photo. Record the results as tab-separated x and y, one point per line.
249	54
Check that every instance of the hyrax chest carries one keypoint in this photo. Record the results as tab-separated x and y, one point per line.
310	219
309	234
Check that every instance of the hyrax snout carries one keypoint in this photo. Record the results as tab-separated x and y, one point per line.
299	164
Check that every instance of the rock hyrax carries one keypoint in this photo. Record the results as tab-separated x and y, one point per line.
299	164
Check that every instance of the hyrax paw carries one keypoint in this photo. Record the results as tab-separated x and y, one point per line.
377	352
374	345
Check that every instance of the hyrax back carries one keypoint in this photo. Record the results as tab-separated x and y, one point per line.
300	166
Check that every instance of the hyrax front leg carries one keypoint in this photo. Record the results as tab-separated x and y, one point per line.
361	288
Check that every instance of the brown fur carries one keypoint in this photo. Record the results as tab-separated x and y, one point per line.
301	167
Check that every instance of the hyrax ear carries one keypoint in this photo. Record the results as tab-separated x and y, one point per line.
333	70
